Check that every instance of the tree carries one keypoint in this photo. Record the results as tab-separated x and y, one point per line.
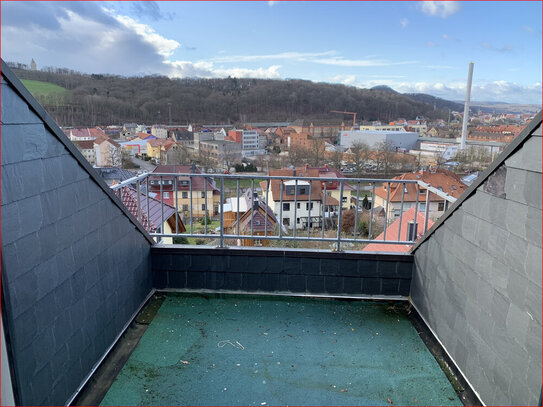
298	156
360	153
386	156
336	159
317	149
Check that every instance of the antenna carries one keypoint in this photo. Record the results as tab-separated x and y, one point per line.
466	109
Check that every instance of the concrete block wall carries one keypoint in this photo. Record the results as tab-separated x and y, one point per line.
294	271
74	267
477	280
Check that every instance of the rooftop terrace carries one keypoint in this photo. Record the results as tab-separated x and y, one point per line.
78	267
264	350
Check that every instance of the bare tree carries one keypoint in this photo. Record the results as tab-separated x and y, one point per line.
298	156
360	153
386	156
317	149
336	159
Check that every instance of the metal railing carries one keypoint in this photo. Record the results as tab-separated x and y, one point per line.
326	217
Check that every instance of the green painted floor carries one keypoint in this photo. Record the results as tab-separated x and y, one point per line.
263	350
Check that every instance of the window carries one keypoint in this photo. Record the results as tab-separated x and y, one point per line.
298	205
185	207
440	206
344	199
303	191
307	206
286	206
422	191
203	194
257	222
258	242
166	195
184	183
454	187
203	207
422	207
184	194
286	221
298	220
330	183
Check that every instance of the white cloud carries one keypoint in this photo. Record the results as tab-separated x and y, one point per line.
442	9
291	55
344	79
164	46
502	91
340	61
431	44
272	3
206	69
404	22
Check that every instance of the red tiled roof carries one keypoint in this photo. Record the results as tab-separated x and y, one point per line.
392	233
443	179
84	144
156	208
89	132
160	142
197	182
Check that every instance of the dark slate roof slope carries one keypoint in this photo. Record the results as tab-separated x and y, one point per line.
34	109
511	149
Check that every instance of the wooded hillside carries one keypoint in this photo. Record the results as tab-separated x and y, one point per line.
105	99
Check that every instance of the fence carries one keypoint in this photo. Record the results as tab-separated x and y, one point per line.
187	188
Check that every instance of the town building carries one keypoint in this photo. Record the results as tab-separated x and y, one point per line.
446	181
201	194
108	153
412	229
159	131
303	202
397	139
86	147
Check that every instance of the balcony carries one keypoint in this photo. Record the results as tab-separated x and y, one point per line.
87	292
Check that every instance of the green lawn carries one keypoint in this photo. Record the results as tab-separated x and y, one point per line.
243	183
42	88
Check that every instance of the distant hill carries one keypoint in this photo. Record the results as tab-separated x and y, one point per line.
106	99
440	104
43	88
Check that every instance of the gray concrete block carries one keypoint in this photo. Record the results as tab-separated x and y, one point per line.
292	265
533	264
517	323
54	148
51	206
469	227
532	189
367	268
330	267
514	253
53	173
528	157
70	169
11	225
515	218
30	214
257	264
15	110
34	147
66	230
12	144
533	226
28	259
310	266
500	309
497	241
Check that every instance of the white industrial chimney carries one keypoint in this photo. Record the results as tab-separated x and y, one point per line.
466	109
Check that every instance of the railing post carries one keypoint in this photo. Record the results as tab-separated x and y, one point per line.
427	210
138	203
371	210
386	212
222	212
341	185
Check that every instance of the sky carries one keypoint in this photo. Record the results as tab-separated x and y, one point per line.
421	47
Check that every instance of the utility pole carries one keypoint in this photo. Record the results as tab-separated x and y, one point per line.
466	109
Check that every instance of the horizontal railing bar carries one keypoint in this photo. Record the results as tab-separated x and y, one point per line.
436	191
278	177
300	238
129	181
